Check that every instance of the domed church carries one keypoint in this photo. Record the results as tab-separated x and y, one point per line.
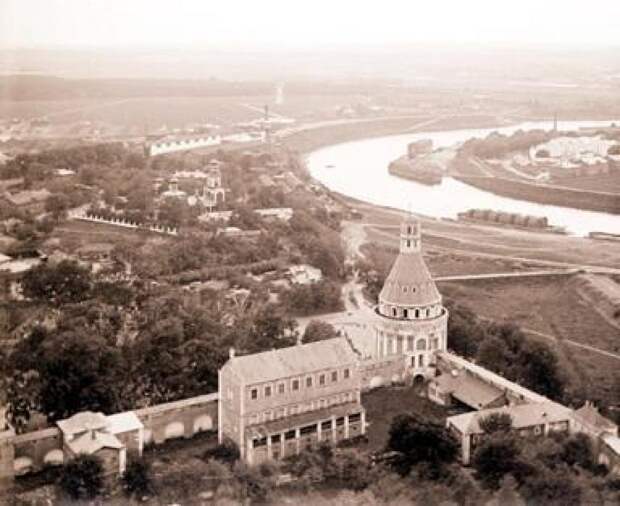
410	320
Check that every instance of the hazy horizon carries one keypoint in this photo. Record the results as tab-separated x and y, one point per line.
321	25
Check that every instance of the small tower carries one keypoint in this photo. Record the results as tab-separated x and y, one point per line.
410	236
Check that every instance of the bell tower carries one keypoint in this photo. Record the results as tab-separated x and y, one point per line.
410	236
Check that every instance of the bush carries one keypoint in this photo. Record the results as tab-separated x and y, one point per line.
227	451
137	478
82	477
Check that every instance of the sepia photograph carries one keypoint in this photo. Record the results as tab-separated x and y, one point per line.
314	253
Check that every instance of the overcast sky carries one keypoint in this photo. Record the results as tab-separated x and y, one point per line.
300	24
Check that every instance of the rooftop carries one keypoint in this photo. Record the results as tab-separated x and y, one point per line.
82	422
468	389
409	283
589	415
292	361
92	442
523	415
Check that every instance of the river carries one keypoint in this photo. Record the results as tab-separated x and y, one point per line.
358	169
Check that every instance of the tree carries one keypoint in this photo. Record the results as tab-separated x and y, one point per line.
494	354
57	204
78	373
496	422
496	457
465	332
418	441
577	450
59	284
540	371
318	330
137	478
82	477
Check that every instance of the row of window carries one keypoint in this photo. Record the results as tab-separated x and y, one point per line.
296	384
396	344
296	409
307	430
410	313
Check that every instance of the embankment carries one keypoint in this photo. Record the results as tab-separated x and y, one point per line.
546	194
335	132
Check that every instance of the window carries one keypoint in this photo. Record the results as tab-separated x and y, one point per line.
268	391
260	442
327	425
321	379
421	361
394	311
254	394
340	421
275	439
356	417
309	382
308	429
281	388
289	435
334	375
346	374
405	312
295	385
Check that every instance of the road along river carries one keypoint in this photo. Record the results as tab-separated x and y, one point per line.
358	169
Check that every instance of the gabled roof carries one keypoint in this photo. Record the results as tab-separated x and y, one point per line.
468	389
292	361
124	422
523	415
92	442
589	415
82	422
409	283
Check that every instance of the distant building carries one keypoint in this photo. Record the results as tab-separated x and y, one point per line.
276	213
527	420
28	200
276	403
171	144
304	274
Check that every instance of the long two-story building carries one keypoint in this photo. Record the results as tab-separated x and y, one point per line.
276	403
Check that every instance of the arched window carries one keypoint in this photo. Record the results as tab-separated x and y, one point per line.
420	345
417	313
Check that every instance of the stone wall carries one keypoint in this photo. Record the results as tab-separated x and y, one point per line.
183	418
30	452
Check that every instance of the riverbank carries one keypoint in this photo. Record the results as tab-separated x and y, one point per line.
546	194
327	134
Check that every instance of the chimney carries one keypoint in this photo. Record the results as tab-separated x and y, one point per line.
231	353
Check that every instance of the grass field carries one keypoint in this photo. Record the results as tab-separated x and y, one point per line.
550	306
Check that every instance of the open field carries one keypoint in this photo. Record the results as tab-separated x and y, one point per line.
484	241
602	183
154	112
550	306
